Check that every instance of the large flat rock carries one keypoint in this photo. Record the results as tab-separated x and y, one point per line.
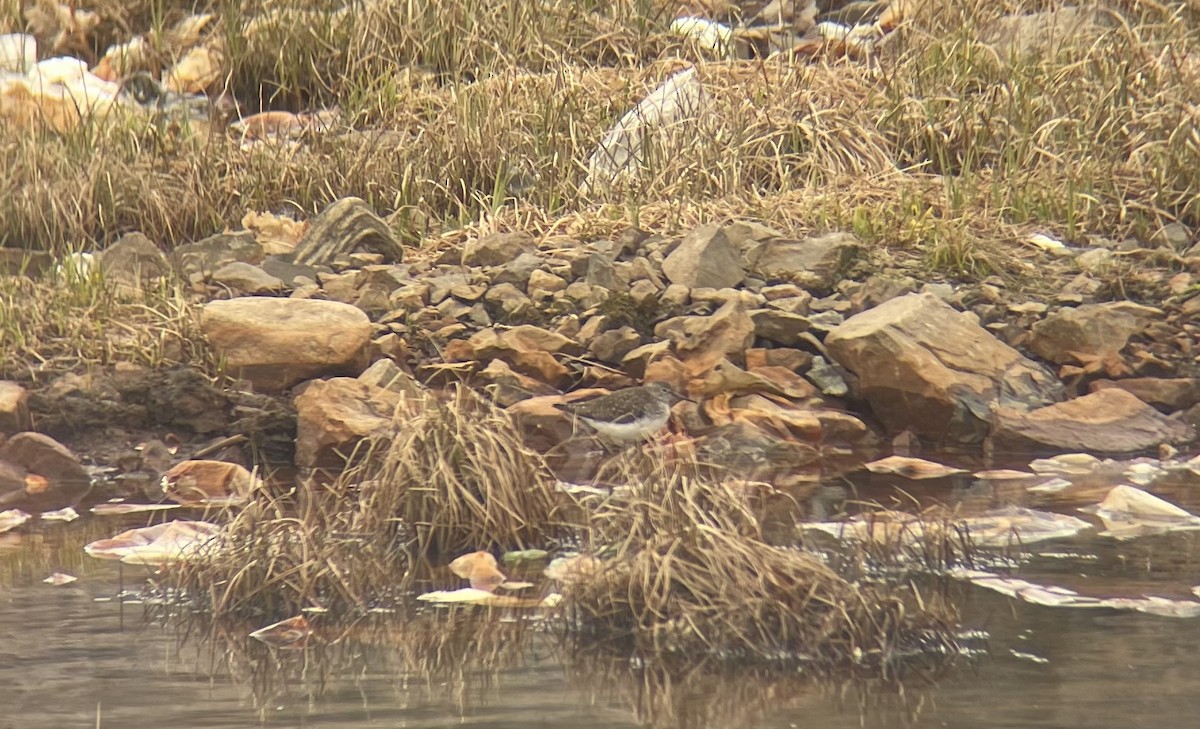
925	367
1106	421
275	343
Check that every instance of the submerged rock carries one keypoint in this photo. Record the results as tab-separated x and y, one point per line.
1106	421
926	367
276	343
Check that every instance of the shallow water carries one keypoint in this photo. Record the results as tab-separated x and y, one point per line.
73	656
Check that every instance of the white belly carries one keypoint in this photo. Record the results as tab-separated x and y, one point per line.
629	432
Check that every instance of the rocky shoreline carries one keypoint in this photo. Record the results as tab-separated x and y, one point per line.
790	347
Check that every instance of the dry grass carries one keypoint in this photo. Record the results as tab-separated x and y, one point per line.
76	321
941	148
687	573
452	477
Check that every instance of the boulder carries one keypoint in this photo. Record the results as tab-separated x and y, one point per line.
14	408
1090	330
1106	421
924	366
343	227
334	416
705	258
814	263
276	343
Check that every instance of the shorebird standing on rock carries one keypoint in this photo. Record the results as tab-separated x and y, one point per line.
629	415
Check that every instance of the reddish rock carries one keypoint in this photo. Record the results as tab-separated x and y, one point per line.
334	416
1107	421
924	366
1168	393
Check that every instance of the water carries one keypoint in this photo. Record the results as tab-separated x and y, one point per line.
68	660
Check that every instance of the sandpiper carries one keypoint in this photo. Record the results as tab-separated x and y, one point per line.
628	415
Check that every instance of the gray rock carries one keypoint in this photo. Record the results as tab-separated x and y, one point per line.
544	283
1090	330
507	301
602	273
612	346
386	374
643	292
200	260
814	263
827	378
291	274
497	249
705	258
586	295
342	228
1175	236
247	279
441	286
133	261
518	270
778	326
675	296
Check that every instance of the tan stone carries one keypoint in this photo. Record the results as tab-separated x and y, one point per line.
14	408
276	343
333	416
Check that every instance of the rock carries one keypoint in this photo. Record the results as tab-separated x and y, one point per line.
508	387
37	473
675	297
705	258
291	274
586	295
792	359
497	249
1090	330
827	378
1046	32
342	228
439	287
133	262
814	263
529	350
644	293
276	343
639	358
334	416
386	374
1094	260
703	341
518	270
507	301
208	482
1175	236
200	260
1169	393
246	278
543	426
778	326
878	289
922	365
612	346
1107	421
544	283
602	273
14	408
